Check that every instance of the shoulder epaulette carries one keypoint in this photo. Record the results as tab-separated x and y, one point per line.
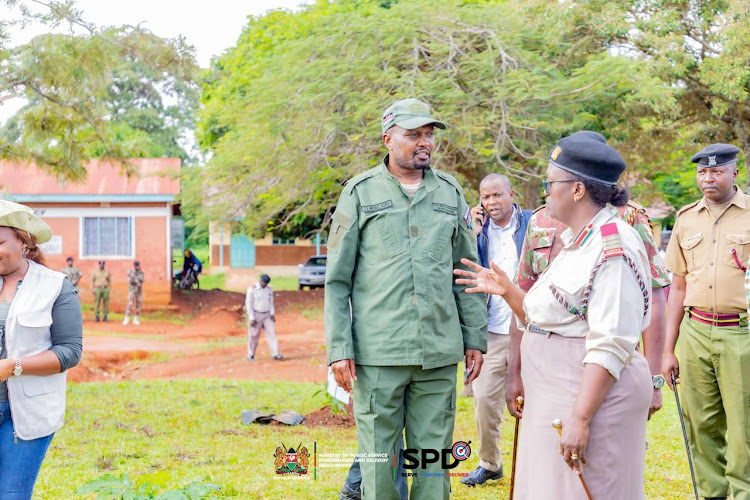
349	186
448	177
612	241
636	206
636	210
687	207
539	208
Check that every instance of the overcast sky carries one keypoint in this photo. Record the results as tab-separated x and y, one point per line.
210	25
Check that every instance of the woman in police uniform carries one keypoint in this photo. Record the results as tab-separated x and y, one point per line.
584	317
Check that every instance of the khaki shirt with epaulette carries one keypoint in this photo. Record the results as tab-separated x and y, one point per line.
709	251
391	257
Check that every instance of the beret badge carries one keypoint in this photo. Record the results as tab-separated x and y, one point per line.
556	152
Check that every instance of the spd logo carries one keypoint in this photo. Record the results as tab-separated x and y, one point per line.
449	458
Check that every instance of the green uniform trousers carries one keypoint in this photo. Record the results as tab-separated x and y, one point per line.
391	399
715	390
101	294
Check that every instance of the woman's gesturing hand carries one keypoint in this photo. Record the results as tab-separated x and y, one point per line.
483	280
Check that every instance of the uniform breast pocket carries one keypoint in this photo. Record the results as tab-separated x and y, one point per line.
440	246
693	251
739	250
380	241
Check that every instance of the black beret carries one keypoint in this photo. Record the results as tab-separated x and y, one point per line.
590	134
716	155
589	158
265	278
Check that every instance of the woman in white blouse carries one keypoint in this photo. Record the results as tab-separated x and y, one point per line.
578	356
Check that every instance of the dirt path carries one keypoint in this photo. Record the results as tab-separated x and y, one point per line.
211	342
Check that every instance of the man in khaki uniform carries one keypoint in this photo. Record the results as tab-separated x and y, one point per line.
395	322
708	252
101	282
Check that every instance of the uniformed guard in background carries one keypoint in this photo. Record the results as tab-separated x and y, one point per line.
101	283
708	254
72	272
395	322
135	293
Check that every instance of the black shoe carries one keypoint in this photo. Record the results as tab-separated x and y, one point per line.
348	493
278	357
96	319
105	319
480	475
715	498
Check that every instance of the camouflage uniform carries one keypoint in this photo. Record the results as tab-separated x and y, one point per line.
73	273
543	244
135	291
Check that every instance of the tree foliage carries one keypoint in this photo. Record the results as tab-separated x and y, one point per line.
92	92
293	111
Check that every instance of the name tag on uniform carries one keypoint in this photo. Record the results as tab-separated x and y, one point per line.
446	209
539	234
693	236
377	207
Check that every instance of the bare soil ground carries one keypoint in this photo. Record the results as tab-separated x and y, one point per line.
207	338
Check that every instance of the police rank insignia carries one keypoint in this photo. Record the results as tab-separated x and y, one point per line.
556	152
611	240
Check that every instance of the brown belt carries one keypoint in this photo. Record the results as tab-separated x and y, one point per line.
714	319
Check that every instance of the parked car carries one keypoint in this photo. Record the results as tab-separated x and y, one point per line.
312	273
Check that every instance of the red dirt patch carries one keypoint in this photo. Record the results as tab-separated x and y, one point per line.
324	417
170	351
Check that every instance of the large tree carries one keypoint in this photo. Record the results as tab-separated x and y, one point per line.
294	109
91	91
701	49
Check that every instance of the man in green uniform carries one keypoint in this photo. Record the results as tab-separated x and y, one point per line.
395	322
101	282
72	272
707	254
135	293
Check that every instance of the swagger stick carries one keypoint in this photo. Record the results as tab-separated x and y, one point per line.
684	435
519	406
557	424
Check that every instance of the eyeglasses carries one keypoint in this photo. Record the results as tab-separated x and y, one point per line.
546	183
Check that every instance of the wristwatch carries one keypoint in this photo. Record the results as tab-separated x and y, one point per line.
658	381
18	370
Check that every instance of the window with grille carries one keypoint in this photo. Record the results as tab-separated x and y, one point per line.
107	236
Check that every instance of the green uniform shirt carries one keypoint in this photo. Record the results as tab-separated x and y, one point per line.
393	256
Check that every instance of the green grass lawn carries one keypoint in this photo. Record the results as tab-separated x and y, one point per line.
176	432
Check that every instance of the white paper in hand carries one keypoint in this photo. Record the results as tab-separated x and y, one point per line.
334	389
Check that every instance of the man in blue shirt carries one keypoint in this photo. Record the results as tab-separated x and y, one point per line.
500	225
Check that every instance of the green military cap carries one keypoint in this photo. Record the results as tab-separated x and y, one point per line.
409	114
23	218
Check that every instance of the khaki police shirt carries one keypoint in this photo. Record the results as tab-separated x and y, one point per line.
710	254
101	278
619	309
391	257
259	299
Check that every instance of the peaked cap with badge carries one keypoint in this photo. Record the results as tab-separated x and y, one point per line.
716	155
587	156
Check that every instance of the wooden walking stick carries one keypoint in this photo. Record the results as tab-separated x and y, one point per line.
519	406
557	424
684	436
